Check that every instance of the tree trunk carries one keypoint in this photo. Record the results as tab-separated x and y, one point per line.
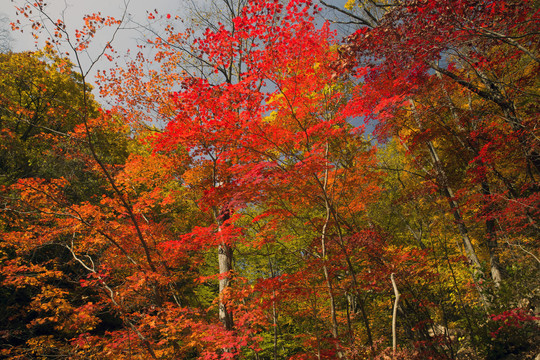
394	314
472	147
225	255
335	330
491	242
442	180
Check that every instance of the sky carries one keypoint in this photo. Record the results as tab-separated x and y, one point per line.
72	11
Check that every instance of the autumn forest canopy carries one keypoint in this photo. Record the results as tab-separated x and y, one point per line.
266	182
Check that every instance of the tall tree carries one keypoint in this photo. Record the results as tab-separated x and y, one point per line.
484	59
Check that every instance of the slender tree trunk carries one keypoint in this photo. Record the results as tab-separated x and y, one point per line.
225	254
349	321
274	308
331	211
274	323
472	147
335	329
394	314
361	303
442	179
225	257
492	244
328	281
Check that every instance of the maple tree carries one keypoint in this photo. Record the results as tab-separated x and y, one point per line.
237	139
448	79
